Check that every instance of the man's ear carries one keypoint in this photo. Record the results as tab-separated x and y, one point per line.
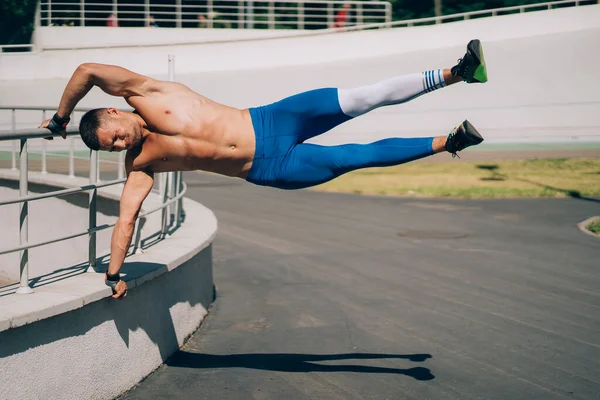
112	111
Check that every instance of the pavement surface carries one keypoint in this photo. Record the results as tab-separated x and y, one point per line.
335	296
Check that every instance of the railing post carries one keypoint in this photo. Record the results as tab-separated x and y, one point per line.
300	14
71	155
178	7
92	209
210	14
330	15
167	176
44	169
250	14
98	167
271	11
178	177
121	166
82	12
165	212
23	227
147	12
241	13
388	13
14	142
49	13
137	249
359	14
172	194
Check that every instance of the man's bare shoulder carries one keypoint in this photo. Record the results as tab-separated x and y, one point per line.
137	159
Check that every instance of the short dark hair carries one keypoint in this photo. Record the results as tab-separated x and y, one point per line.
89	125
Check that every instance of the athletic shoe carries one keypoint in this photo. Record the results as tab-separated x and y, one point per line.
461	137
472	66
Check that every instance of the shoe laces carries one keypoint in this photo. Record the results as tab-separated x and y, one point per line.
454	145
463	68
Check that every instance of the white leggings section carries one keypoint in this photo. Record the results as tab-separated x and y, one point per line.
400	89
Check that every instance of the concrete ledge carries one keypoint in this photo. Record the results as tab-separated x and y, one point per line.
70	338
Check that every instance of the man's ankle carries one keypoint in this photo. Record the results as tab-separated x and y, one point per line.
450	78
439	144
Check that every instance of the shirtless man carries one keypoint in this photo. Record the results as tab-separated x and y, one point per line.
174	129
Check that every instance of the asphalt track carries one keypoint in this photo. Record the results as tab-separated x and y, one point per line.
334	296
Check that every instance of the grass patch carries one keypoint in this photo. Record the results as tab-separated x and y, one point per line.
594	226
548	177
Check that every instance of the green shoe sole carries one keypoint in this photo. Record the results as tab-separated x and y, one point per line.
480	74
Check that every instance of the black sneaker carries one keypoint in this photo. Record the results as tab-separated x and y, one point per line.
461	137
472	66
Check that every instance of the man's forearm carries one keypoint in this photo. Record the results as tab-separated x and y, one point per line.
79	85
119	245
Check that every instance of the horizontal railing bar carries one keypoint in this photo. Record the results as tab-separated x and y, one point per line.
234	5
33	133
62	155
10	46
72	236
166	203
60	193
74	157
41	108
96	229
219	20
109	7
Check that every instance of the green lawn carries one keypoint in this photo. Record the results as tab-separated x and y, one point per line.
561	177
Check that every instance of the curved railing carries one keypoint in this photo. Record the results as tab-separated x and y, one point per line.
171	189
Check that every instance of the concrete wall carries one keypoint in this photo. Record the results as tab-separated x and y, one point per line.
69	330
101	350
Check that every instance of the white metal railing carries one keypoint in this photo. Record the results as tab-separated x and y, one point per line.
490	12
171	190
234	14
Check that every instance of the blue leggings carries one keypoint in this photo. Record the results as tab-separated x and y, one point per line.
283	161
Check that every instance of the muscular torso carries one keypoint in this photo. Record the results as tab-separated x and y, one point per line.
187	131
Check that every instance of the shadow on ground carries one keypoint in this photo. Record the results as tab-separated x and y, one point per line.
300	363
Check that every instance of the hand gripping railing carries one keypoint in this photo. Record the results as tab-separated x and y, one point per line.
171	188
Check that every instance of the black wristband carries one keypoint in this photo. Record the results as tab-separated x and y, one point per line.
62	122
114	277
58	124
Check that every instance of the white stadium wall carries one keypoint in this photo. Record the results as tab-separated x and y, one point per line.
542	74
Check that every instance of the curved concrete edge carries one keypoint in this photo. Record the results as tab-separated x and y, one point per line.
583	226
78	291
83	344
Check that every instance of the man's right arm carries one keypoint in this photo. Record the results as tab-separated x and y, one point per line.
137	188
